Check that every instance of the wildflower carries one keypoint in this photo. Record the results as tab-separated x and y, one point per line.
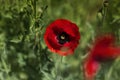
103	50
62	37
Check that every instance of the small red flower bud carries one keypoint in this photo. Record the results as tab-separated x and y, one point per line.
62	37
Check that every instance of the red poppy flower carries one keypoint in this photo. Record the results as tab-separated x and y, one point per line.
103	50
62	37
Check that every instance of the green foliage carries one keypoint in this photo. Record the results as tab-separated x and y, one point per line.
23	53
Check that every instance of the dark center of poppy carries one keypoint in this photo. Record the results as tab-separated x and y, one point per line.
63	38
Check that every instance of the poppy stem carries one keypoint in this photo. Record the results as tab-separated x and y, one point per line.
59	69
108	75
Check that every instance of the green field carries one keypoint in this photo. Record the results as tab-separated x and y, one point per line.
23	52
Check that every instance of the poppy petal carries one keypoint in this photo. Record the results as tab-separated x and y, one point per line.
91	67
107	53
104	40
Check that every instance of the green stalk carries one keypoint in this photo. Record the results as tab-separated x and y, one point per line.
59	69
34	7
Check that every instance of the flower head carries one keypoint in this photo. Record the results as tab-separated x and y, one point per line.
62	37
103	50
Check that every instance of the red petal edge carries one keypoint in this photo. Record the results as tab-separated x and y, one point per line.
91	67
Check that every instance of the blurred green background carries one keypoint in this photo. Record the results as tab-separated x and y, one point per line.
23	53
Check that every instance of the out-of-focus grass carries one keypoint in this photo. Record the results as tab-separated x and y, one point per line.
24	55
